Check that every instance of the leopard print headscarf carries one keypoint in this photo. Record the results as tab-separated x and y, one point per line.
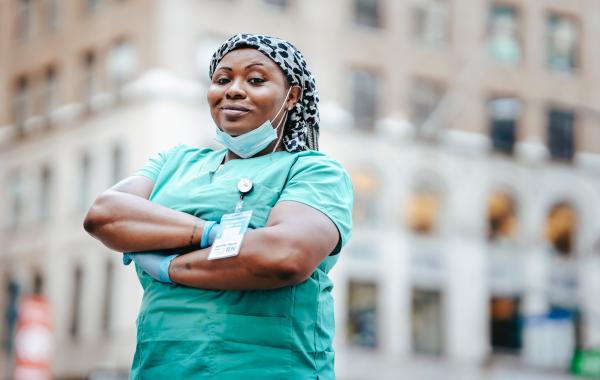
302	127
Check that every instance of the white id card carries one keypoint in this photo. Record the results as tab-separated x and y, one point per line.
228	242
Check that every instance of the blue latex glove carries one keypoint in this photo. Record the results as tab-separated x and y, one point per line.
209	234
155	264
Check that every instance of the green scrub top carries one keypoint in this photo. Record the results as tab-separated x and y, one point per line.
286	333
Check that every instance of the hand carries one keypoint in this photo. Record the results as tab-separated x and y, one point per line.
155	264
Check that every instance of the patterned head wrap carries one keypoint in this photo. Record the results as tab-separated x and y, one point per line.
302	127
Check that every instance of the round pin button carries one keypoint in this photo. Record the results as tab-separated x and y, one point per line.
245	185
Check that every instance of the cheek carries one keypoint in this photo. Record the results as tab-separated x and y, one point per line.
212	96
265	100
208	95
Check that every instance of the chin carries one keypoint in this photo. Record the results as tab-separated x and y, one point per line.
235	129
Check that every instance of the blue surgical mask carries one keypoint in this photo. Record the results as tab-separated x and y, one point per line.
250	143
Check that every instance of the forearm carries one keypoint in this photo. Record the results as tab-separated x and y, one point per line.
264	262
128	223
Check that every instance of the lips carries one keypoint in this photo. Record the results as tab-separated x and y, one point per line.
233	111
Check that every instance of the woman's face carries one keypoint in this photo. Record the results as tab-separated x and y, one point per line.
247	88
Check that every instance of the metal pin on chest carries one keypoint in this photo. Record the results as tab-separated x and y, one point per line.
244	186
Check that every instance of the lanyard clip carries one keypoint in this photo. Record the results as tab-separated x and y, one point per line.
244	186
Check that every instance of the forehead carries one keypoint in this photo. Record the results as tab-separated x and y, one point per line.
240	58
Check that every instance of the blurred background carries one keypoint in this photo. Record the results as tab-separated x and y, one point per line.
471	129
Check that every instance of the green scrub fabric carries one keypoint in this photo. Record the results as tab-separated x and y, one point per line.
189	333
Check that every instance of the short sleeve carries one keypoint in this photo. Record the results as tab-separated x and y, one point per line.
151	169
322	183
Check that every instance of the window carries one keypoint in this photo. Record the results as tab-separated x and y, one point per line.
362	314
425	97
277	3
50	91
25	19
122	62
4	302
117	163
562	43
422	211
561	228
3	315
38	283
75	323
85	178
45	194
364	98
109	276
90	77
92	5
506	325
427	330
561	134
21	106
366	186
52	10
12	291
504	114
429	22
502	220
15	194
204	51
3	306
367	13
504	43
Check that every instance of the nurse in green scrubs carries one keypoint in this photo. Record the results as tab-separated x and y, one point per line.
267	312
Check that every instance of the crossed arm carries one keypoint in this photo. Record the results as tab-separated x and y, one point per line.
286	251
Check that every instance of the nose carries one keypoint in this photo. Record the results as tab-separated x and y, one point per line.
235	90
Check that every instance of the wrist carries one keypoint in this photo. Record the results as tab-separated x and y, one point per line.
164	273
213	233
195	235
206	231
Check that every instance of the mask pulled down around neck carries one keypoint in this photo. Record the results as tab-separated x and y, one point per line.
250	143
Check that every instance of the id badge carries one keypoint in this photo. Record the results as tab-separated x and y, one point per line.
228	242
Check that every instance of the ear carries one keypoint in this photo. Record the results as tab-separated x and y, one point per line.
294	97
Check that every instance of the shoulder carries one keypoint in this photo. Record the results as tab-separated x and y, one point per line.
187	150
315	161
181	153
316	172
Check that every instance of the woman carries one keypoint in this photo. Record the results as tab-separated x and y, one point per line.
267	312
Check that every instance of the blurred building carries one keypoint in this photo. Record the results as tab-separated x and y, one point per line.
471	130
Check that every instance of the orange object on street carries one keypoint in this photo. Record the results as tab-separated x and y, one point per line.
33	340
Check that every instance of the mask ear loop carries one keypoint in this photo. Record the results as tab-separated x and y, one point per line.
283	119
282	106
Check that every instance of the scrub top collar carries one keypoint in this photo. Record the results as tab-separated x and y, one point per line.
217	159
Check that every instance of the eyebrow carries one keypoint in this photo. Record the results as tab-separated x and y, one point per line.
246	68
254	64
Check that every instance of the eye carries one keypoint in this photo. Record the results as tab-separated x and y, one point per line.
256	80
221	80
